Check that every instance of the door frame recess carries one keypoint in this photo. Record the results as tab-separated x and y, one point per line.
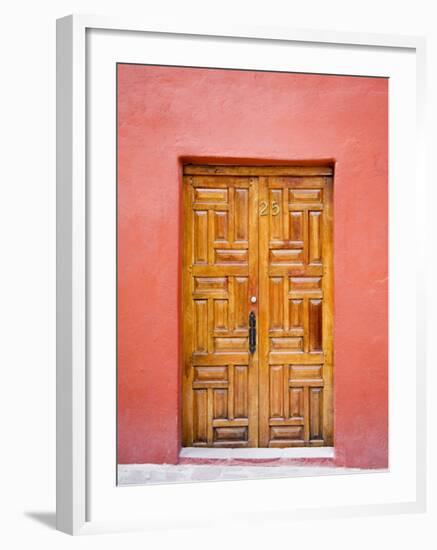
260	169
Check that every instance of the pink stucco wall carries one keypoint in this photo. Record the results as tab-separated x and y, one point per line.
168	114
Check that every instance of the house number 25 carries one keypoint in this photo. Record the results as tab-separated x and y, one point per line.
264	208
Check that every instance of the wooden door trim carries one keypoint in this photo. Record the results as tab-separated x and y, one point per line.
328	315
234	170
186	313
263	396
253	382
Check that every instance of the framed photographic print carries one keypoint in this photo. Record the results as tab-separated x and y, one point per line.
238	253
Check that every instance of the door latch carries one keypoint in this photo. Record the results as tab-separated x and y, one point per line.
252	332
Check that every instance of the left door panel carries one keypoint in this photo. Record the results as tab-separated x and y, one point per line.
220	263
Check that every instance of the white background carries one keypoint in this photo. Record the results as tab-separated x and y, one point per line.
27	300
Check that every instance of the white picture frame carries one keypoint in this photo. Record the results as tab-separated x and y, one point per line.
76	426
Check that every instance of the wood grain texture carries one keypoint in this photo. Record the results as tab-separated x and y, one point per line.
229	170
264	232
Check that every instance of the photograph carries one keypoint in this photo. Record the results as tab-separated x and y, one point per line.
252	274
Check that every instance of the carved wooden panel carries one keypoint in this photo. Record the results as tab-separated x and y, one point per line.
220	272
295	296
249	232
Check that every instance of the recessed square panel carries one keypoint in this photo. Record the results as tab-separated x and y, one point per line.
209	195
305	195
286	256
210	284
286	433
231	256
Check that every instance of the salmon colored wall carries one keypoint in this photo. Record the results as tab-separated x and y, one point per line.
166	114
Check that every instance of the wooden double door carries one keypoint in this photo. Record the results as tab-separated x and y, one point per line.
257	306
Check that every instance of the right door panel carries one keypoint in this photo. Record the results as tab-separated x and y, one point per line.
296	309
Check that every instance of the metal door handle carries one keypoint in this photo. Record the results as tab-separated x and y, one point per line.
252	332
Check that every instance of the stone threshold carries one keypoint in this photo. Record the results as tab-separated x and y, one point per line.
150	474
258	453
